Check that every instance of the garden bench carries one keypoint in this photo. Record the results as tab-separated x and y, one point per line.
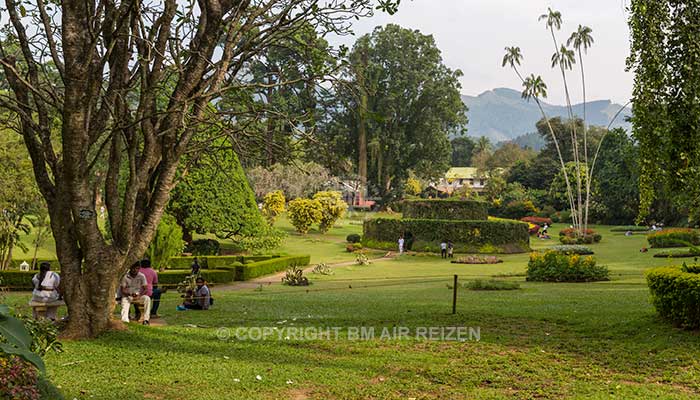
40	308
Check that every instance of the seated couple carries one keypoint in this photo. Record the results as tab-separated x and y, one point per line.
140	285
197	299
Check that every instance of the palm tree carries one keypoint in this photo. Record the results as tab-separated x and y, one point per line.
565	58
582	41
513	57
535	88
483	145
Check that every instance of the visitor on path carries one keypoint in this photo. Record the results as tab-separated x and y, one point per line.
134	288
401	243
195	267
46	289
443	249
152	291
199	299
450	249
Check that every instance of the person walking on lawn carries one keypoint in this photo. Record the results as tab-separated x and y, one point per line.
443	249
133	289
152	291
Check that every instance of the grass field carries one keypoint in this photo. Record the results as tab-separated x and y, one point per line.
594	340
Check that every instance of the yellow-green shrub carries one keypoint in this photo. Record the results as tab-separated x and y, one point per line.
675	293
273	205
303	213
553	266
332	208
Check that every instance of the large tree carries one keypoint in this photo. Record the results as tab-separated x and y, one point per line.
117	90
405	103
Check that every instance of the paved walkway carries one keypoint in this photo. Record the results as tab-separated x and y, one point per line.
276	279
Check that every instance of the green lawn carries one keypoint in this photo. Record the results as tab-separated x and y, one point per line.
595	340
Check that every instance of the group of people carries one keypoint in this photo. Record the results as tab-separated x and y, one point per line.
138	287
447	248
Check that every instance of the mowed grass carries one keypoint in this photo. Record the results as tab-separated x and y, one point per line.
592	340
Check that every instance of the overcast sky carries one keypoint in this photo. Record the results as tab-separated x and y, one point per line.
472	34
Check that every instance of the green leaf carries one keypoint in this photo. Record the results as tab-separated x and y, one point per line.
22	11
25	354
14	331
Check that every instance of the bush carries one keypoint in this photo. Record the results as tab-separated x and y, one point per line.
333	208
353	247
166	243
496	236
570	236
273	205
353	238
533	229
674	237
572	249
18	379
204	247
14	264
630	228
675	294
17	280
492	284
519	209
552	266
322	269
537	220
253	270
678	254
303	213
295	277
472	210
477	260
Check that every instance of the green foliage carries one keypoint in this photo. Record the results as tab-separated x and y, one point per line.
675	294
333	208
572	249
491	284
674	237
476	259
553	266
303	213
665	59
44	333
166	243
462	150
690	253
445	209
204	247
17	280
518	209
467	236
273	205
409	109
412	186
16	339
294	276
215	197
617	179
353	238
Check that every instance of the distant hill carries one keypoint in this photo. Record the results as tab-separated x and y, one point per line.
531	140
502	114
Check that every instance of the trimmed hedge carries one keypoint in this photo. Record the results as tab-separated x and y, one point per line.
17	261
445	209
677	254
675	294
572	249
467	236
173	277
673	238
17	280
216	262
570	236
553	266
244	272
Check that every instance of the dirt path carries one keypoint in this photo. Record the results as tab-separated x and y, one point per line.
276	279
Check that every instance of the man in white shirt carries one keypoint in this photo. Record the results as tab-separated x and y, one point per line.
134	288
401	242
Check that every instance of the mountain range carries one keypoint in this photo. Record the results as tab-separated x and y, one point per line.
502	114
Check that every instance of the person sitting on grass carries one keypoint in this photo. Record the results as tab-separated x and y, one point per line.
46	289
134	287
197	299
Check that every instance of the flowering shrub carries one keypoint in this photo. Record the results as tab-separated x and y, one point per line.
532	229
303	213
273	205
674	237
573	236
18	379
573	249
537	220
333	207
553	266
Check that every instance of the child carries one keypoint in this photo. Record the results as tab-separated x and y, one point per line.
450	249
